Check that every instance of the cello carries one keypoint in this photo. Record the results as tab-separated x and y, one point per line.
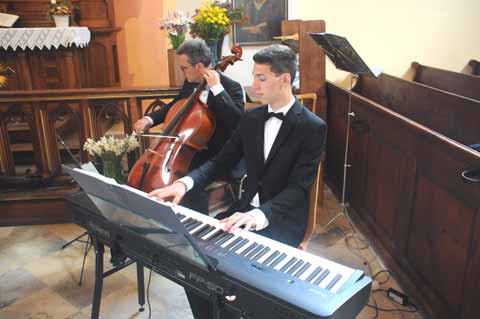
186	130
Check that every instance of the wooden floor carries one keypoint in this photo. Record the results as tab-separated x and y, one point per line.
38	280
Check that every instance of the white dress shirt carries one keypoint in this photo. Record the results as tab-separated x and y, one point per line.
271	129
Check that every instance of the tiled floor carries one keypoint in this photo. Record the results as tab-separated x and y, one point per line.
38	280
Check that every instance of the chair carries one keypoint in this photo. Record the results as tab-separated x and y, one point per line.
312	213
309	100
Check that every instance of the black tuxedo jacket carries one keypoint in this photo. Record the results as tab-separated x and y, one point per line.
284	179
227	108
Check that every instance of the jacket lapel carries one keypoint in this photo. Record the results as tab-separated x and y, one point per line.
260	137
288	124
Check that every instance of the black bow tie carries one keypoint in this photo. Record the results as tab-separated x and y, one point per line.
279	116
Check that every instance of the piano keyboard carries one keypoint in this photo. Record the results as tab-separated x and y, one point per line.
288	260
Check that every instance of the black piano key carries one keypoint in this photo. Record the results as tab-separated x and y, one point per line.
262	253
295	267
199	230
248	249
216	235
288	264
302	270
234	242
188	220
193	226
271	257
334	281
314	274
181	216
278	260
205	231
224	239
240	245
219	237
208	230
254	252
321	277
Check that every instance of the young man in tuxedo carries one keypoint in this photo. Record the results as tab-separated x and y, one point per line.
282	142
224	98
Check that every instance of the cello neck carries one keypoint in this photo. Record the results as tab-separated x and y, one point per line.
185	108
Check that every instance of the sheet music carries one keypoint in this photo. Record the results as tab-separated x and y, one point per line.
343	55
132	200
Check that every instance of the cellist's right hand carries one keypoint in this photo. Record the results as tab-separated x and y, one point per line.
141	125
176	191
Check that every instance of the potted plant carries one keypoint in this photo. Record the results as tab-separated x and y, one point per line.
60	12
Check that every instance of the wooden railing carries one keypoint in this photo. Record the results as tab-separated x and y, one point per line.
31	156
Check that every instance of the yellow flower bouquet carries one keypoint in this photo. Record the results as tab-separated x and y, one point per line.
213	20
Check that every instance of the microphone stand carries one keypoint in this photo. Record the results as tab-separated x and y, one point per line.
87	242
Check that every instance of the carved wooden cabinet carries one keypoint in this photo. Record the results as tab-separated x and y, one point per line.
31	182
93	66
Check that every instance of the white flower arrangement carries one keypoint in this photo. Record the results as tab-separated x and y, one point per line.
176	24
111	145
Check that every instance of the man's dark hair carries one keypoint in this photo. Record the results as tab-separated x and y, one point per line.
196	51
280	58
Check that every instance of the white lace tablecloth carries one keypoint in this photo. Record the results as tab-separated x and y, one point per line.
22	38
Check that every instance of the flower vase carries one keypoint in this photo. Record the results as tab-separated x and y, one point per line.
112	167
213	51
61	21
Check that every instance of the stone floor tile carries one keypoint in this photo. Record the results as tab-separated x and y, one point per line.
42	304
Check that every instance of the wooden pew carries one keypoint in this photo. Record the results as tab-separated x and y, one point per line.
405	187
449	114
466	85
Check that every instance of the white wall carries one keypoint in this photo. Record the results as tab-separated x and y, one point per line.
387	34
392	34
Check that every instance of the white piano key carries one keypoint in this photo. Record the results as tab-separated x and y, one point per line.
209	234
266	256
194	229
327	279
244	247
315	261
225	244
283	262
309	271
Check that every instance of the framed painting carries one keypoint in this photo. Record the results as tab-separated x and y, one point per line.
264	21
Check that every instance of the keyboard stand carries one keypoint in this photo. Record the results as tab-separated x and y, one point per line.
216	306
100	275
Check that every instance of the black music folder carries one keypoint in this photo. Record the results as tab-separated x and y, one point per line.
108	195
342	54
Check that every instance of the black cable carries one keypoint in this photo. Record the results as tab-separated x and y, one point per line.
375	306
381	272
148	295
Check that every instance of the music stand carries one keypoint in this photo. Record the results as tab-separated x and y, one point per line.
345	58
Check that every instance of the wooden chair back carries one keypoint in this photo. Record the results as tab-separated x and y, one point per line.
309	100
314	203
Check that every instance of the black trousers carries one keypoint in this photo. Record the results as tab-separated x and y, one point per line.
196	199
202	308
